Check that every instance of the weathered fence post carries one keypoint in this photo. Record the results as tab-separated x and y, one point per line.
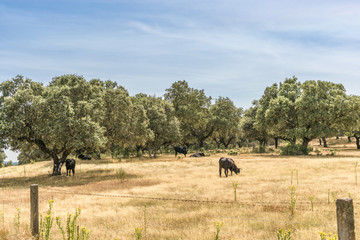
34	210
345	219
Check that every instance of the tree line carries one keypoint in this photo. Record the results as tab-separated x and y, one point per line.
71	115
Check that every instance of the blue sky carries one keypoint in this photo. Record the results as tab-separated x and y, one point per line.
228	48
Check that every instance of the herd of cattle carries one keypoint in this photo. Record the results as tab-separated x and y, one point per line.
224	163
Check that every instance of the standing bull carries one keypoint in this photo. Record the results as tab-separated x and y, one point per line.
180	150
70	166
228	164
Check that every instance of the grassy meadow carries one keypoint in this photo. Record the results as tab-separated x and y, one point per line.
117	196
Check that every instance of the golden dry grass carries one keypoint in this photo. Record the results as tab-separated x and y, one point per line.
113	208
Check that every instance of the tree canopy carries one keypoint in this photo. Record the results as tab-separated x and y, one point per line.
72	115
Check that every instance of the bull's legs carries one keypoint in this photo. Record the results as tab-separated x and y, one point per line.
73	172
226	172
220	171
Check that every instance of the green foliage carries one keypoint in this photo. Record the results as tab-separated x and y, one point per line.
292	200
57	119
17	220
71	224
8	164
125	121
233	152
323	109
138	233
280	117
259	149
192	109
2	158
226	121
250	129
311	198
163	123
328	236
71	227
218	226
120	174
84	234
284	235
235	184
58	223
46	223
32	155
294	149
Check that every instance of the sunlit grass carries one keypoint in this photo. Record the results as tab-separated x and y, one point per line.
260	210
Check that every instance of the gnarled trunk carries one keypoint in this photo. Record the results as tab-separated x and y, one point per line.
305	144
57	168
324	141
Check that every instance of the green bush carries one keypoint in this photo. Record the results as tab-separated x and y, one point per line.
294	149
233	152
259	149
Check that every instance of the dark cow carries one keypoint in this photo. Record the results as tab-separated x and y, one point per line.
198	155
70	166
180	150
228	164
84	157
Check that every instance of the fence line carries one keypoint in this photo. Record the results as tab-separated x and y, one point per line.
261	203
344	211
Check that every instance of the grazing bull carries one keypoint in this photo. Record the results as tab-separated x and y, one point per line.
228	164
70	166
84	157
180	150
198	155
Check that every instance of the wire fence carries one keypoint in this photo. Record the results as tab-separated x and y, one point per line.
234	218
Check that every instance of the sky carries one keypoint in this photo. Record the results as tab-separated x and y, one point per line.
229	48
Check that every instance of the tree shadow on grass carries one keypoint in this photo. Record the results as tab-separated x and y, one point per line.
47	180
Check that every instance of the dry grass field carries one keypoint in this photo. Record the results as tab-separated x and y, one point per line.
111	207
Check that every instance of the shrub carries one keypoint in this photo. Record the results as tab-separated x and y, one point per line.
283	234
259	149
120	174
233	152
294	149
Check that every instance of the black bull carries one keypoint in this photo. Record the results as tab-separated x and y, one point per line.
180	150
228	164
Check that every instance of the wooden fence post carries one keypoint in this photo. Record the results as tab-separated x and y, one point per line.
345	219
34	210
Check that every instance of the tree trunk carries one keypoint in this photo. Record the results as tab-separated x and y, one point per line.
357	142
57	167
227	143
320	141
349	139
217	143
201	143
325	143
276	142
337	138
305	144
